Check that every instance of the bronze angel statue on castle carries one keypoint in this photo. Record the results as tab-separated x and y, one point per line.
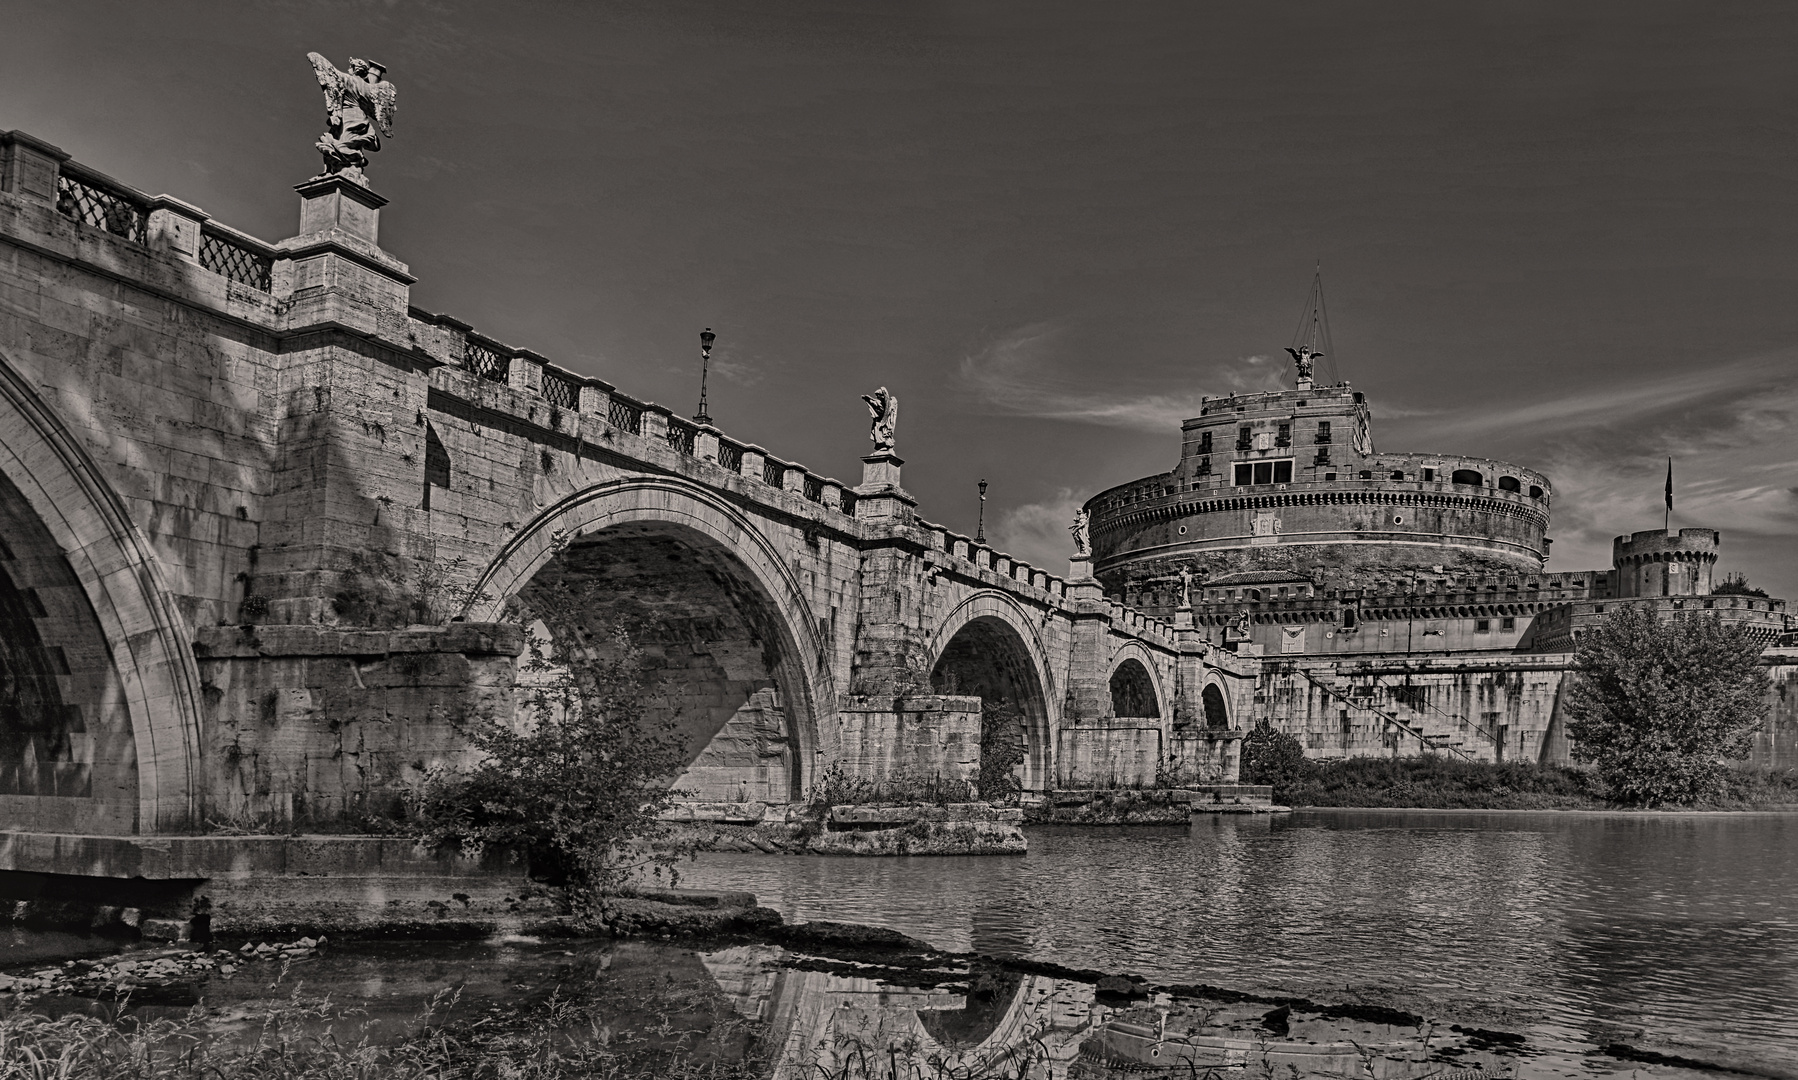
360	102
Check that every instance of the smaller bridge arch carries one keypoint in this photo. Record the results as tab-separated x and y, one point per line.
1135	683
988	647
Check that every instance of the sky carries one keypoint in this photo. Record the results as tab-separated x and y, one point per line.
1554	234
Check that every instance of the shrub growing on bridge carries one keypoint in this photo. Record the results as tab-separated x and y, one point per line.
583	773
1661	707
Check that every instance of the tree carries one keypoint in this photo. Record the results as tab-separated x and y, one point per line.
1661	707
582	771
1273	757
1737	585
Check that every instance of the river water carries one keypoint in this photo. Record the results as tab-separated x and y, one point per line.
1677	932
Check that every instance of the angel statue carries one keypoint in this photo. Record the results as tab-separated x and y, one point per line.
360	102
1083	544
883	409
1185	587
1305	358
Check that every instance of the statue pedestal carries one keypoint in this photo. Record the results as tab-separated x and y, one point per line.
336	202
1183	618
1080	568
879	496
334	273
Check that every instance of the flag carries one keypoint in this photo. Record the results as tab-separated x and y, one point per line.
1669	485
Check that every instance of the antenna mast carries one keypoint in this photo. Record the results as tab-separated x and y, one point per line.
1313	333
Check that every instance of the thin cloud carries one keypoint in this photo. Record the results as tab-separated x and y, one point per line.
1037	532
1018	373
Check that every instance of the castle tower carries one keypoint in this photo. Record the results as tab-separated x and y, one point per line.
1660	563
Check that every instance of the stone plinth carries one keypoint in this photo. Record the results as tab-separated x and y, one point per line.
879	495
1080	568
330	203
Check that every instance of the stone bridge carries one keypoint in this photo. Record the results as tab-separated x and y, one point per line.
266	527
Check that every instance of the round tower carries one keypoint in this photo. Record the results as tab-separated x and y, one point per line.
1290	481
1660	563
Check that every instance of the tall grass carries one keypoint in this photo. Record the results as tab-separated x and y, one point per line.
311	1040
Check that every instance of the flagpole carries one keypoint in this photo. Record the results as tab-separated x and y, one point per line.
1667	518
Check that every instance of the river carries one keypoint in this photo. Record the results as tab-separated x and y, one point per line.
1672	931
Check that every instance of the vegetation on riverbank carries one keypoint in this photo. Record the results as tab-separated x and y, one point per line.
1660	709
673	1032
1442	783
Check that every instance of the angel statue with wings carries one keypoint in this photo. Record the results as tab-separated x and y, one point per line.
360	102
883	409
1080	528
1306	359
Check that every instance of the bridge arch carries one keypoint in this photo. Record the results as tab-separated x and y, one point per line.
98	660
1214	701
704	591
988	646
1135	683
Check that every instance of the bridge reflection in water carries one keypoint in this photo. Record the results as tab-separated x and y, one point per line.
827	1020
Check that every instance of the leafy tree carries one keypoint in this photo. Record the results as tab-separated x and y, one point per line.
1273	757
1737	585
1661	707
571	781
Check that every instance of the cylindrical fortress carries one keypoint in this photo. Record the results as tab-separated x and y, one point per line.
1289	481
1659	563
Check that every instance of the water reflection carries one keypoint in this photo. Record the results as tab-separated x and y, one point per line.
990	1022
1677	932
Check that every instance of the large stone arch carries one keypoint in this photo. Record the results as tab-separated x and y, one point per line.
668	542
107	630
993	622
1130	663
1214	705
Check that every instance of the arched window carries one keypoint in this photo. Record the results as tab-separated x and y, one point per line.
437	464
1467	476
1535	491
1509	483
1216	715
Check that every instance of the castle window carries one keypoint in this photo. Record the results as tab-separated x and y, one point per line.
1323	431
1535	491
1244	474
1284	438
1429	475
1467	476
1509	622
1367	474
1205	442
1204	466
1283	472
1245	436
1329	476
1482	626
1398	474
1509	483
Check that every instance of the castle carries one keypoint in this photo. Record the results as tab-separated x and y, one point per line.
1399	602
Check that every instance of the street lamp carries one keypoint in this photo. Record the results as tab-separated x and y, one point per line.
706	337
980	531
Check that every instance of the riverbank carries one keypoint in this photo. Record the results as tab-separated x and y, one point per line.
1437	783
785	1000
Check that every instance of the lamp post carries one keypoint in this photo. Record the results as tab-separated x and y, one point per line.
980	530
706	337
